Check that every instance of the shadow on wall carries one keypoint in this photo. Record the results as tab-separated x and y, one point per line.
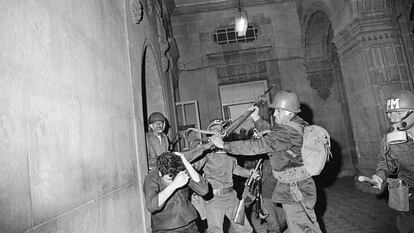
330	172
306	113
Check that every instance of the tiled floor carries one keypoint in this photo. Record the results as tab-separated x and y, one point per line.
344	209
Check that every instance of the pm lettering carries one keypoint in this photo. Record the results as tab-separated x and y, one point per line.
393	104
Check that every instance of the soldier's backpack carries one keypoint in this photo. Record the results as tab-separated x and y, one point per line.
316	148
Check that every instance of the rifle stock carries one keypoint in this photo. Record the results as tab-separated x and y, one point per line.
240	212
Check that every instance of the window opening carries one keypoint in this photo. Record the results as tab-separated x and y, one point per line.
229	35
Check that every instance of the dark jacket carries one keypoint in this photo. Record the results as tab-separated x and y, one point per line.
177	211
155	147
397	158
275	144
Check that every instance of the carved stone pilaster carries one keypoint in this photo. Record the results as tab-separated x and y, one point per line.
137	11
174	60
364	8
149	7
375	35
373	65
162	36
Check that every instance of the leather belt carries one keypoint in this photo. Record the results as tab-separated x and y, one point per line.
222	191
291	175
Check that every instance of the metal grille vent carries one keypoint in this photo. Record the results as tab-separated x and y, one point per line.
229	35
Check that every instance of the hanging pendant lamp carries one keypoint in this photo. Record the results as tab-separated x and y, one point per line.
241	21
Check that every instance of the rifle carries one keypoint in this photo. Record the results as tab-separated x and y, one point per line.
236	123
247	197
175	141
230	127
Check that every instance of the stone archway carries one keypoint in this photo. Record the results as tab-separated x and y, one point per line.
329	104
153	94
153	99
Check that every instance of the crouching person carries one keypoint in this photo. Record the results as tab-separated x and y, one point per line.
167	194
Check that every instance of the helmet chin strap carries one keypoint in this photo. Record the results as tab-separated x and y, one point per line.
291	116
410	129
404	125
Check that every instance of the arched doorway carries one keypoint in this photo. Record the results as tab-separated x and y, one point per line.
329	106
153	96
153	91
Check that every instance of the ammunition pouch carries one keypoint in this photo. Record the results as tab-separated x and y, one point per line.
398	194
292	175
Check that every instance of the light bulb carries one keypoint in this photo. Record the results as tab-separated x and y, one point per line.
241	22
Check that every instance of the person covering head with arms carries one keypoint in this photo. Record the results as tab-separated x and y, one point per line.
156	139
295	188
167	194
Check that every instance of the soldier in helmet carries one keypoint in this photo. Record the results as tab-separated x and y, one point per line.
218	169
157	140
295	189
396	155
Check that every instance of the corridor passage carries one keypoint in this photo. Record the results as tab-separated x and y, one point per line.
345	209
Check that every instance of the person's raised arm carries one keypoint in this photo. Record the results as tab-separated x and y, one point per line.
245	147
259	123
191	171
155	199
179	181
243	172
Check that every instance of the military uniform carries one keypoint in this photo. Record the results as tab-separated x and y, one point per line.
156	145
276	220
398	158
218	170
157	141
276	144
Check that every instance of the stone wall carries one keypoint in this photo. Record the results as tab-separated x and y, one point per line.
71	114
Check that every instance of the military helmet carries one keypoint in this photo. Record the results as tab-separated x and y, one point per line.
286	100
400	100
215	122
156	116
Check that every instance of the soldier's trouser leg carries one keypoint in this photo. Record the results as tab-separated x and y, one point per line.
276	218
298	221
224	205
405	222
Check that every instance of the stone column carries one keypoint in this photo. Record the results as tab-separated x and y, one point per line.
374	65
